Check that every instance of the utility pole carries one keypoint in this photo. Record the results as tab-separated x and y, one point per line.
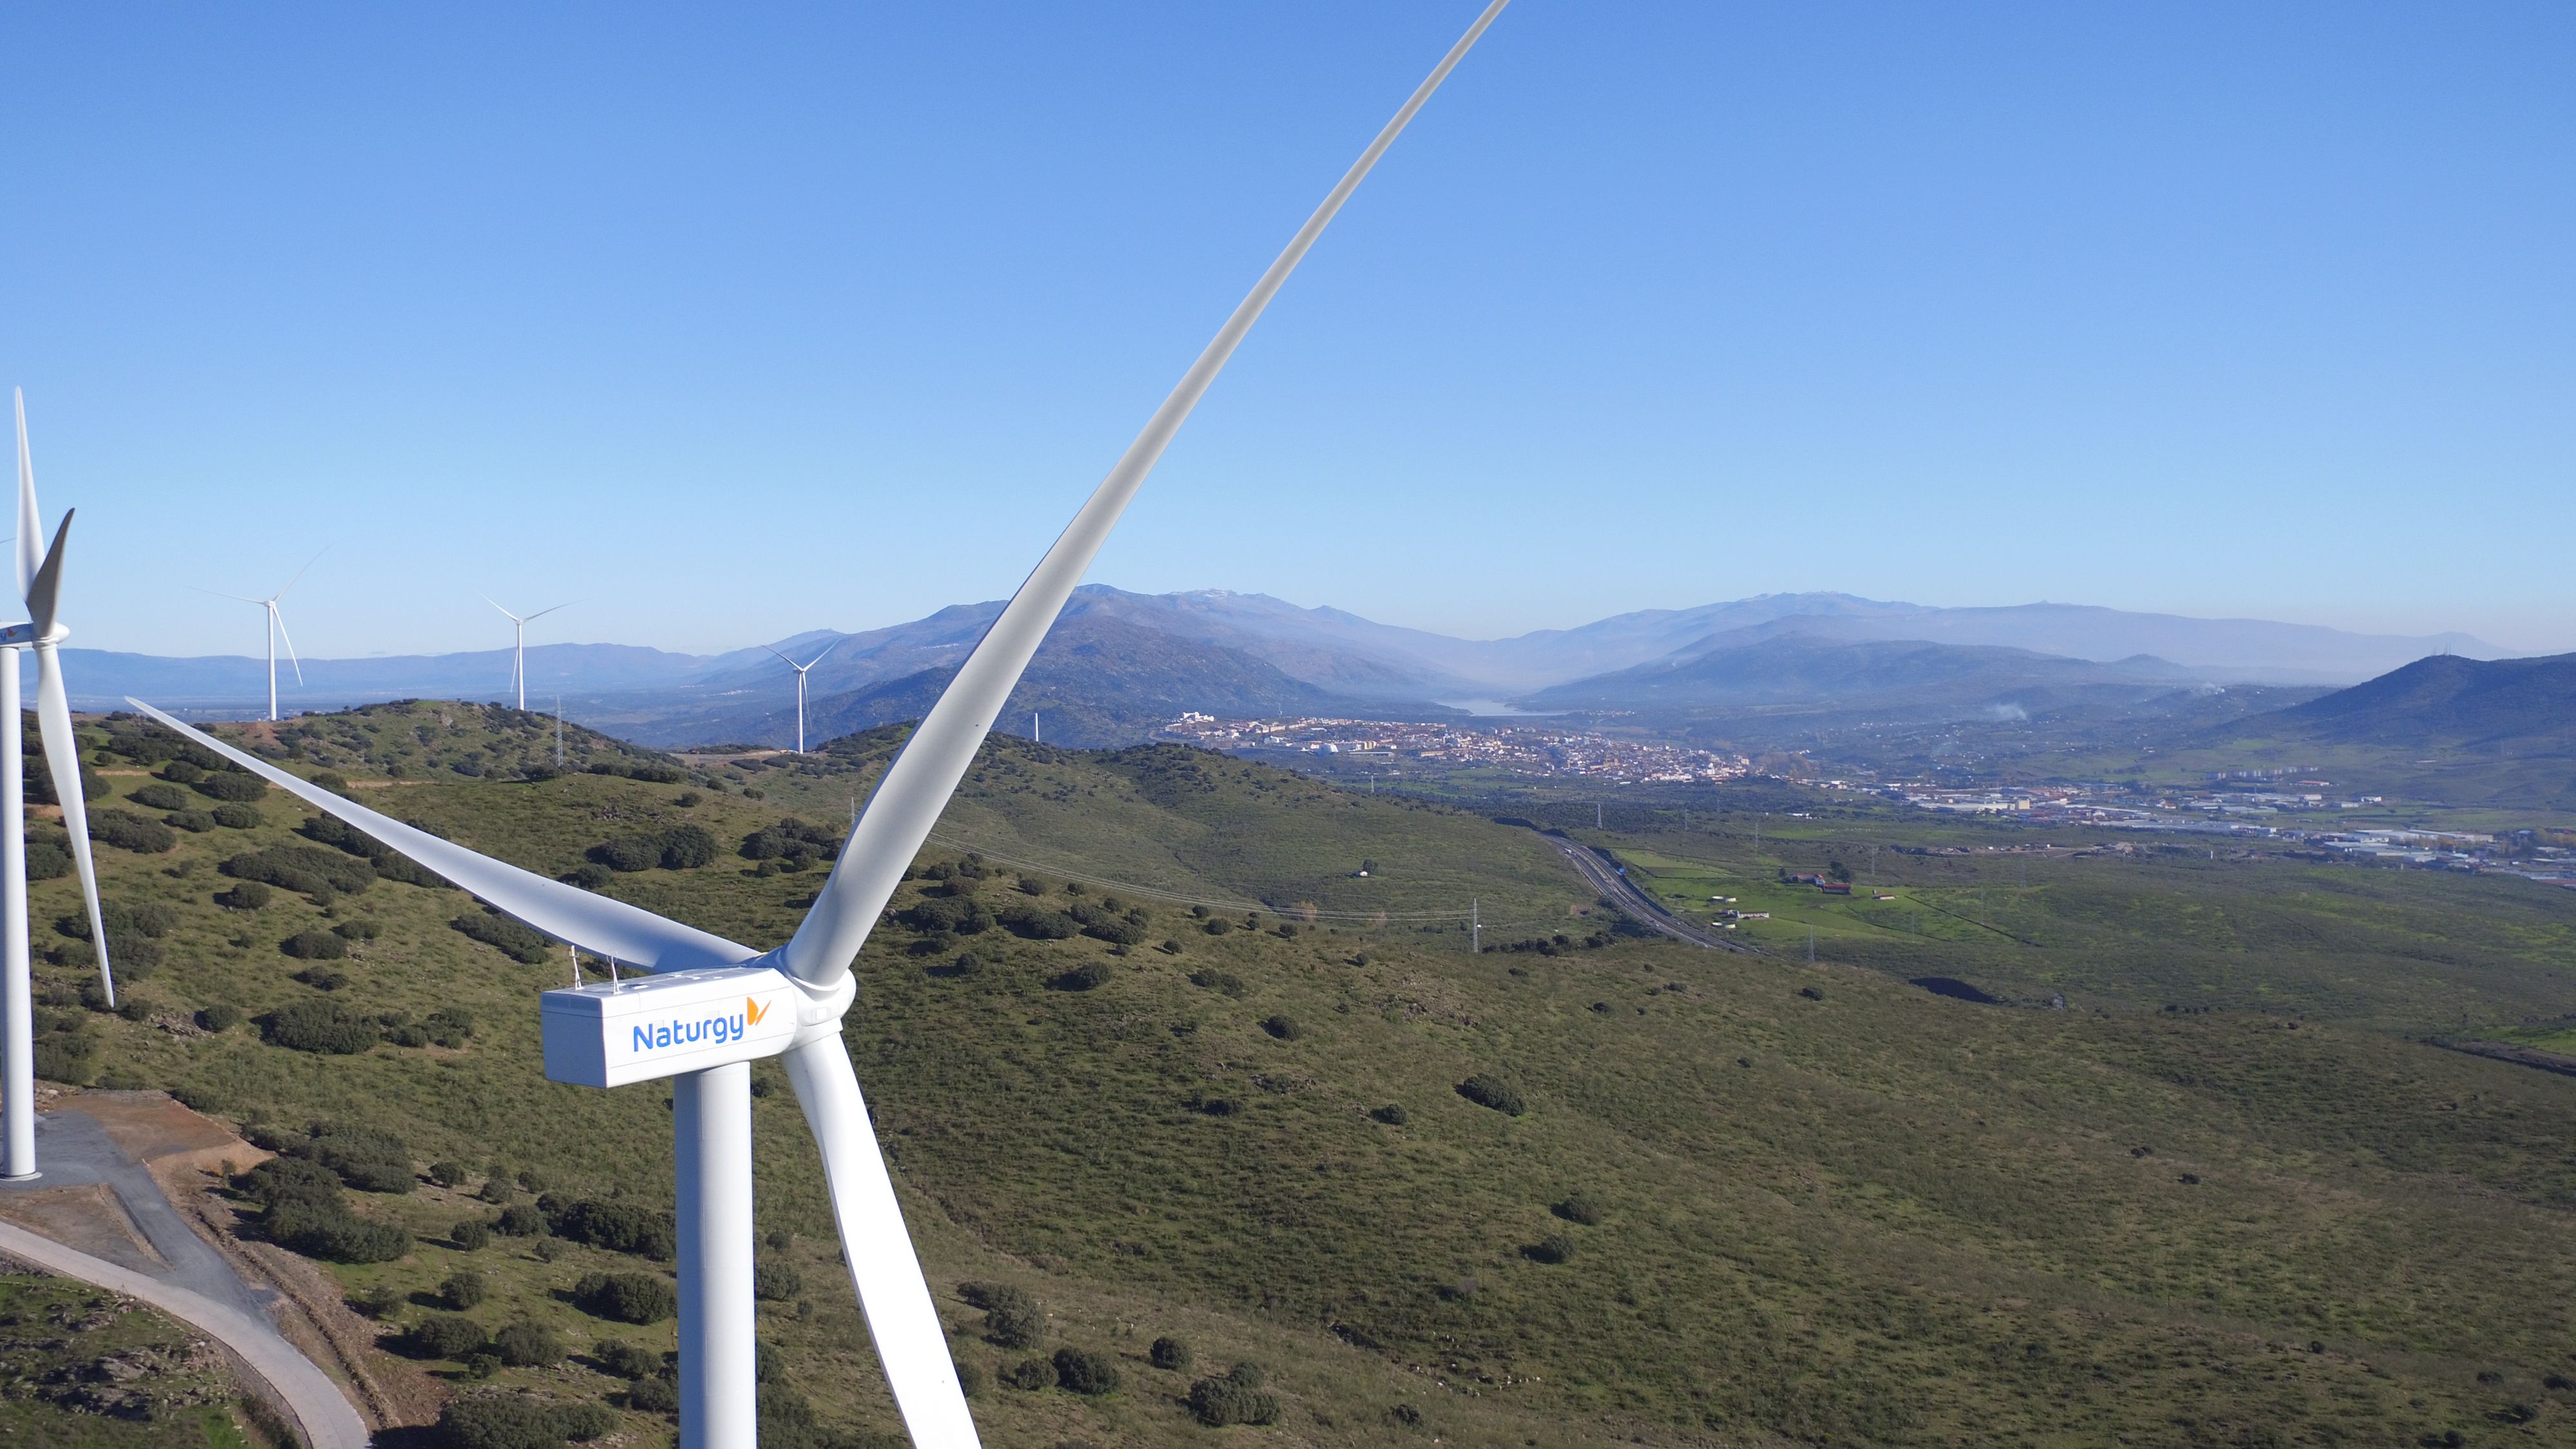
1034	737
558	731
1811	945
1873	870
1475	927
1596	814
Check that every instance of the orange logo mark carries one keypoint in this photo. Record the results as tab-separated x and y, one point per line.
753	1010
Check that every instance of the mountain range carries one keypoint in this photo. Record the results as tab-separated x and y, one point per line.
1119	663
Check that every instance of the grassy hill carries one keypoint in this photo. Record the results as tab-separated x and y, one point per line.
1745	1201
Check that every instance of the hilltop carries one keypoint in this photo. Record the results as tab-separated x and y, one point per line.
1741	1200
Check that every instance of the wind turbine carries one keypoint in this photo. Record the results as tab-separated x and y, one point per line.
519	648
800	686
711	1006
276	629
40	579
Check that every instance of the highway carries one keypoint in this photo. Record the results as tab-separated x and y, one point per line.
1624	894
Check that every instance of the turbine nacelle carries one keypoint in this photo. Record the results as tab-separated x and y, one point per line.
612	1034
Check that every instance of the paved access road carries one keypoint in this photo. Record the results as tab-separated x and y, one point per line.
320	1412
1626	895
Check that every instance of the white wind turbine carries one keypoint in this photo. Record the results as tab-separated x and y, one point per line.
40	578
800	686
519	644
276	630
711	1006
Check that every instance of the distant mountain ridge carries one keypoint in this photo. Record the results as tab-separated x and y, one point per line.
2517	706
1117	660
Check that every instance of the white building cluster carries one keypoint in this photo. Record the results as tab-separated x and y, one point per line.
1519	749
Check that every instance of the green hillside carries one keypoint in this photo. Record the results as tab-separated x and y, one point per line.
1744	1200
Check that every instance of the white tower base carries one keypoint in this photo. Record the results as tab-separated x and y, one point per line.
17	1001
719	1360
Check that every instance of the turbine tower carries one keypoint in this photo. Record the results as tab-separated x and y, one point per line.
710	1007
800	686
519	645
40	578
276	629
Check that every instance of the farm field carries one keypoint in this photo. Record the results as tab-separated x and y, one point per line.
1744	1199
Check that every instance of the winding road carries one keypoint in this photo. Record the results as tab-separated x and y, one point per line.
1627	896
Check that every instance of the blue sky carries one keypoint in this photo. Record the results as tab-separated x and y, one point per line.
735	322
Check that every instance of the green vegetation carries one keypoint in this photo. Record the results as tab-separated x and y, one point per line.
89	1370
1863	1215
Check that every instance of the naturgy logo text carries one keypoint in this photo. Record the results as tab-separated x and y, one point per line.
716	1030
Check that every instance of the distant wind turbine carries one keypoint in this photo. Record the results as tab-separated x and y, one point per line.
519	648
276	630
800	686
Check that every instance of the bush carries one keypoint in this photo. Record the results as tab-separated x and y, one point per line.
1171	1354
627	1297
357	930
445	1335
1554	1248
184	771
382	1301
195	822
527	1345
238	787
221	1016
1392	1115
332	1232
777	1280
128	831
1218	926
1084	1372
620	1227
1285	1028
792	843
1487	1091
238	817
47	861
508	936
1089	976
302	868
515	1421
472	1235
158	796
250	895
325	1027
970	1380
1037	923
447	1172
362	1157
654	1395
1030	1373
686	847
520	1220
1224	982
1578	1209
315	946
628	853
1237	1398
462	1290
1012	1318
620	1359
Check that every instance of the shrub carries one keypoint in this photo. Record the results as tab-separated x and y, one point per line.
128	831
158	796
472	1235
462	1290
777	1280
325	1027
1237	1398
381	1301
238	787
627	1297
445	1335
315	946
1554	1248
520	1220
1084	1372
970	1380
1012	1318
1171	1354
1578	1209
250	895
654	1395
319	1230
628	853
686	847
47	861
1285	1028
590	876
792	842
508	936
621	1359
962	915
238	817
221	1016
1037	923
1030	1373
450	1026
527	1345
515	1421
357	930
1218	927
620	1227
1391	1114
1225	982
1487	1091
362	1157
302	868
400	868
1089	976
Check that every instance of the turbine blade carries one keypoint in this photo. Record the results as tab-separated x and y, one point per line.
62	760
300	573
817	659
915	789
506	614
31	528
597	924
911	1344
289	638
238	598
46	591
783	659
541	613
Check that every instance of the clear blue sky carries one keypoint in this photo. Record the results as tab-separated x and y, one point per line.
739	321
